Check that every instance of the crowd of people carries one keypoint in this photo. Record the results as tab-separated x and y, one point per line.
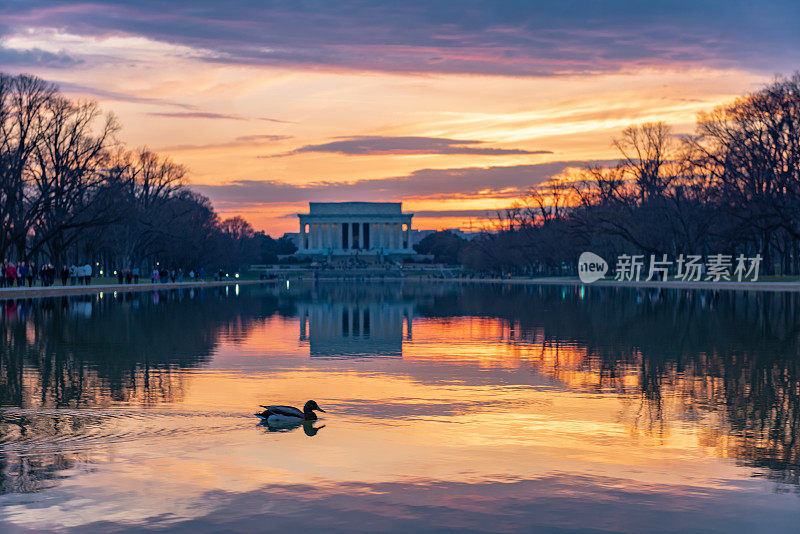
23	273
161	275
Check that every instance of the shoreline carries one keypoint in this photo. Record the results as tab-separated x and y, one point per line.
788	287
59	291
8	293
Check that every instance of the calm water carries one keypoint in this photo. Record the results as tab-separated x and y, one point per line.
496	409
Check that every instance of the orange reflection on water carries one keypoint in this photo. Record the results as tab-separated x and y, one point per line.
468	400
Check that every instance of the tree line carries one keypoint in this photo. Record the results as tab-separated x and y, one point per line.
71	192
731	187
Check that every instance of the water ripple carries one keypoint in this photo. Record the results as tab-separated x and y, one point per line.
26	431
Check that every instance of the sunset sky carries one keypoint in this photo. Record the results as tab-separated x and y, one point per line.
455	108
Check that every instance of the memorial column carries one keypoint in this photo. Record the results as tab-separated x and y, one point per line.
303	243
329	237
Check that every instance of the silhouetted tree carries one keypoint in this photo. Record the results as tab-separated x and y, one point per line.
445	246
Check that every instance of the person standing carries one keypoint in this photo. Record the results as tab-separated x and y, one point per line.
135	275
88	272
11	275
21	274
64	275
73	275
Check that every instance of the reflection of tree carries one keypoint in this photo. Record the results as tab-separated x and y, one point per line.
85	352
77	352
374	292
724	361
27	474
727	361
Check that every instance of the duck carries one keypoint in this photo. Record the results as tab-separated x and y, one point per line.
276	415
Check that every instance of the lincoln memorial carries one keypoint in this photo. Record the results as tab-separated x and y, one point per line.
355	228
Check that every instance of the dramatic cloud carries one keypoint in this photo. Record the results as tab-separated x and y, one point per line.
514	38
382	145
506	182
35	57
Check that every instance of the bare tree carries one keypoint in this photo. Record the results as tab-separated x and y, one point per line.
646	151
23	100
67	174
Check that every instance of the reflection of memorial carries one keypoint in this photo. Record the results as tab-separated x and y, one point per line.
355	329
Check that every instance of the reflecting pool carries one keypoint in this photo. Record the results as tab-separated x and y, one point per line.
469	408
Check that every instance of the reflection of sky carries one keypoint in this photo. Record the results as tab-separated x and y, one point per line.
468	430
453	108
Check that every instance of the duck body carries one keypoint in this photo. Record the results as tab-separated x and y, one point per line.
282	415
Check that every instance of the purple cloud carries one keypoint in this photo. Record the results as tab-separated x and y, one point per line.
36	57
504	182
383	145
512	38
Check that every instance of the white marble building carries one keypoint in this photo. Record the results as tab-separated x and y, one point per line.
355	228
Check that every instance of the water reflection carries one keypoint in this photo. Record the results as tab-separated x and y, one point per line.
310	428
81	352
90	351
355	327
725	361
498	394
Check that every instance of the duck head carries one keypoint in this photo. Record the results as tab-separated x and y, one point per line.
310	406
